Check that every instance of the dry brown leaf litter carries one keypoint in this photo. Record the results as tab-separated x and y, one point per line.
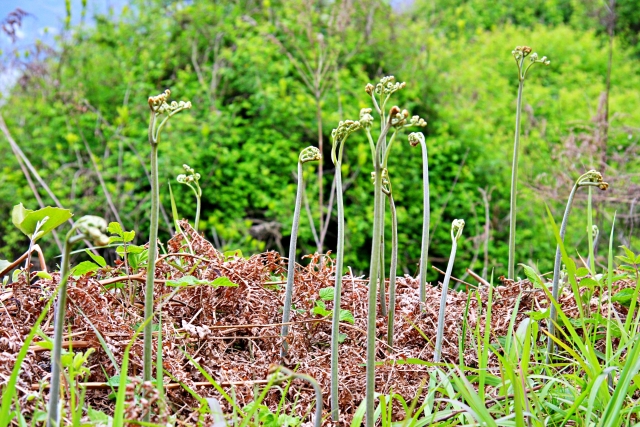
233	332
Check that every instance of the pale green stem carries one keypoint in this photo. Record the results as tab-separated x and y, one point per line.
373	275
386	149
197	191
316	388
393	271
426	215
53	417
591	260
286	314
553	314
443	302
514	180
335	322
153	253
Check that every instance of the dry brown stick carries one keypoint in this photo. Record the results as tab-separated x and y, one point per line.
453	278
24	256
65	344
100	385
478	278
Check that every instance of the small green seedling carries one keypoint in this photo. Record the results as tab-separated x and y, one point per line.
190	179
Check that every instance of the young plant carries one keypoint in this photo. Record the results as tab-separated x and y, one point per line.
396	119
387	190
520	53
309	154
159	107
590	179
456	231
338	138
415	139
190	179
91	228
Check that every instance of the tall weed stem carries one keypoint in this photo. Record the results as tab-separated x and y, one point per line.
519	54
338	137
89	227
589	179
307	155
158	106
456	231
415	139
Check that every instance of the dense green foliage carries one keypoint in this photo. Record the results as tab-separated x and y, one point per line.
243	66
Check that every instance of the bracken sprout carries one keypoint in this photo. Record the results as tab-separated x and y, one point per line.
456	231
396	119
88	227
520	53
338	139
159	107
416	138
309	154
592	178
190	179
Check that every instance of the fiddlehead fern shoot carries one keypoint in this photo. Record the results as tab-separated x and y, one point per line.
590	179
456	231
309	154
158	106
519	54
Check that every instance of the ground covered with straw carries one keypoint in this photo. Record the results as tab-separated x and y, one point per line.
234	332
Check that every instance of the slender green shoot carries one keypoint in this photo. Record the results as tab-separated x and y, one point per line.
339	137
309	154
158	106
456	231
519	54
88	227
588	179
190	179
289	375
415	139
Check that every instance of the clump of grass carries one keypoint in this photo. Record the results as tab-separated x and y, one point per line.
456	231
159	107
309	154
520	53
88	227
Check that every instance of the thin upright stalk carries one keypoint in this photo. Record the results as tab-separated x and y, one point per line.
291	263
335	322
590	235
374	273
393	270
307	155
519	54
426	214
89	227
56	368
147	373
456	232
592	179
514	183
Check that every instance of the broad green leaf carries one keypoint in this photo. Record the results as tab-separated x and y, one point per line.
128	236
623	297
130	249
115	228
223	282
582	271
42	275
326	294
532	275
27	220
320	309
233	254
186	281
97	258
347	316
84	267
99	417
4	264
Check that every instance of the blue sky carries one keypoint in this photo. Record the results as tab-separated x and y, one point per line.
45	20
